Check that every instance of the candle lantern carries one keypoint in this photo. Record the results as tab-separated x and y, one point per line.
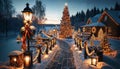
94	60
27	59
16	58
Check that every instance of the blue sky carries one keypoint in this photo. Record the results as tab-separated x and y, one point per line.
54	8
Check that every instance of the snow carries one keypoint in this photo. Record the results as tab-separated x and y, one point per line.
115	15
95	18
46	60
100	24
82	63
16	52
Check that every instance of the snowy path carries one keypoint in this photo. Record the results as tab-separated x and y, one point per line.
111	62
63	59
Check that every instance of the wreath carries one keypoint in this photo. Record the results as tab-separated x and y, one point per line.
93	30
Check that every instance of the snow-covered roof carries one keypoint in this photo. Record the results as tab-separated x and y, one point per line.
115	15
95	18
15	53
99	24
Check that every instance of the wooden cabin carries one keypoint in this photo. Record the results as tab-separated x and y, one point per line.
109	19
96	29
112	21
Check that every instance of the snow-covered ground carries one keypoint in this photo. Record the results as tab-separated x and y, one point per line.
46	59
79	61
108	62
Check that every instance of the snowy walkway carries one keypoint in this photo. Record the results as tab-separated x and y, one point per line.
46	59
63	59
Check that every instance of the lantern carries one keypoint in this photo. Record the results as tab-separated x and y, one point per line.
94	60
16	58
27	59
14	61
27	13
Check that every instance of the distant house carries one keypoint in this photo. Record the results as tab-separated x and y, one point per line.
112	20
107	22
93	19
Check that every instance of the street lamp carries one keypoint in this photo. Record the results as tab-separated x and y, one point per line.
27	13
27	29
27	32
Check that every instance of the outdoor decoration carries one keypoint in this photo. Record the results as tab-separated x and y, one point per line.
93	29
94	60
27	29
16	58
86	51
65	25
27	59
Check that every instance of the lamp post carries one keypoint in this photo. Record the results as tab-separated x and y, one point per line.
27	29
27	32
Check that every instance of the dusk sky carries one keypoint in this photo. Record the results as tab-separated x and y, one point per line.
54	8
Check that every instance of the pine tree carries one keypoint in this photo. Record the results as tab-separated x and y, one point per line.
65	26
39	11
117	6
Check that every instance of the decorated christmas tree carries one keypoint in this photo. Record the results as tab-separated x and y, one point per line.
65	25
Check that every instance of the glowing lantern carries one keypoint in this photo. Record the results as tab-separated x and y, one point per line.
27	59
27	13
94	60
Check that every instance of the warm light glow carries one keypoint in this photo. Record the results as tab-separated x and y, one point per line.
74	45
50	51
27	16
27	60
76	48
46	56
79	51
56	45
14	59
66	4
94	61
52	21
54	30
